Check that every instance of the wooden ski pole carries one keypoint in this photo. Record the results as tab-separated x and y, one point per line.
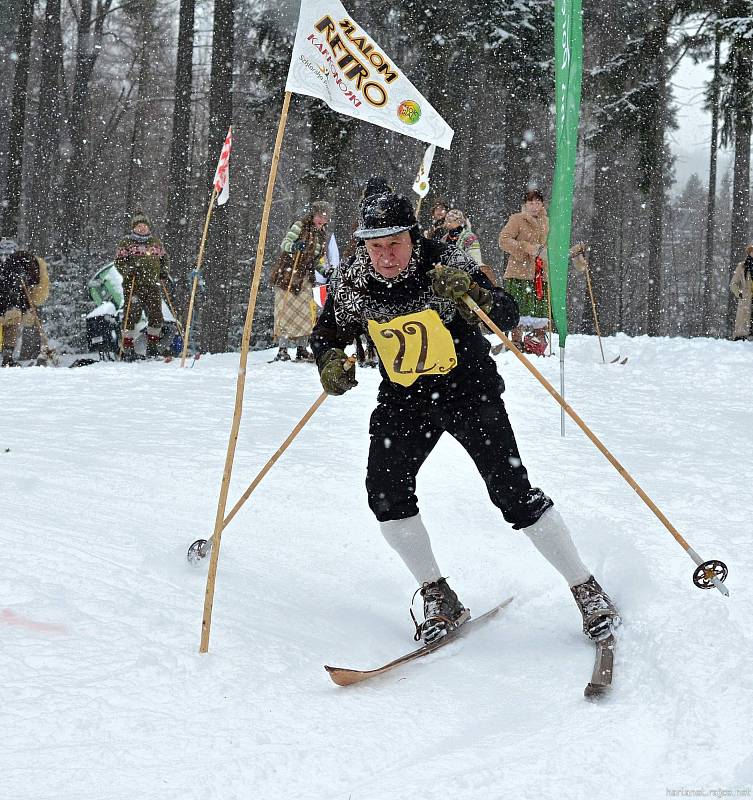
45	342
206	621
196	271
418	207
283	302
710	574
172	308
205	546
593	309
125	318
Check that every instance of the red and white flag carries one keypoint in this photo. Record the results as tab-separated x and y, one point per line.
222	175
320	294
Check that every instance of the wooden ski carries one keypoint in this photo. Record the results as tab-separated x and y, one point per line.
601	680
345	677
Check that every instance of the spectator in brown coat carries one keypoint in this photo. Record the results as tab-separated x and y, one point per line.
741	287
523	238
24	285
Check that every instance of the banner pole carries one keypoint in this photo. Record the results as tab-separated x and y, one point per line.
195	283
206	621
562	391
549	308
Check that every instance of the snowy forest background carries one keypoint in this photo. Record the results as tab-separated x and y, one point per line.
113	105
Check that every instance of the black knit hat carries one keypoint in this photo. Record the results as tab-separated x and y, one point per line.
384	214
140	218
376	185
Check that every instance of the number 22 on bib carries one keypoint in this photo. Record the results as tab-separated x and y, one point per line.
414	345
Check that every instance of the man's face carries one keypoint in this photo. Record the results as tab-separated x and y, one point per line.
320	220
438	212
534	206
390	255
142	229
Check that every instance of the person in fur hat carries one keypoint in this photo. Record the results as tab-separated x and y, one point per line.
458	232
144	263
523	238
741	287
293	277
24	285
437	377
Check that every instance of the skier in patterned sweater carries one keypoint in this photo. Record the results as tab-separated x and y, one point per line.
143	262
437	377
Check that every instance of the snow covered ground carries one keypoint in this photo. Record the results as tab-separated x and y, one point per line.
108	473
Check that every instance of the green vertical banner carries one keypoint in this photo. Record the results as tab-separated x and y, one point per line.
568	71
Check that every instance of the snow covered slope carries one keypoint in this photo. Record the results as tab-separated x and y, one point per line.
108	473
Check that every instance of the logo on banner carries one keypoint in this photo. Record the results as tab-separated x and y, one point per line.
409	112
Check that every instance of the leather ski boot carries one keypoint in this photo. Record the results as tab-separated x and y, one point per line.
443	612
600	615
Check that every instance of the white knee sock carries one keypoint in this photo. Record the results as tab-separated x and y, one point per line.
551	538
410	540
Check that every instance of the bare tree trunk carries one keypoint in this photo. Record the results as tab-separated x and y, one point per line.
180	165
516	155
18	120
214	328
78	170
743	78
655	169
47	129
708	266
330	134
134	187
605	264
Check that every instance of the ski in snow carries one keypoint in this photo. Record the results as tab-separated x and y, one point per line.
601	679
345	677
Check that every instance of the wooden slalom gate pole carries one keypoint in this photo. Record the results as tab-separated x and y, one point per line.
206	621
201	547
127	313
709	573
195	282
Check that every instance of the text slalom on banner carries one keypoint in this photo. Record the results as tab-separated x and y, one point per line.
335	60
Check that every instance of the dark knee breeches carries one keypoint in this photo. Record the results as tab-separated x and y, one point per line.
403	437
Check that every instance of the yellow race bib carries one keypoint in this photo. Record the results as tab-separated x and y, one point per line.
414	345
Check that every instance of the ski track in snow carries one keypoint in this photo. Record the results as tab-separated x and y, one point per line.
108	473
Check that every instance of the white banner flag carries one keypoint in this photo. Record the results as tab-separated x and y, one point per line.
421	184
335	60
